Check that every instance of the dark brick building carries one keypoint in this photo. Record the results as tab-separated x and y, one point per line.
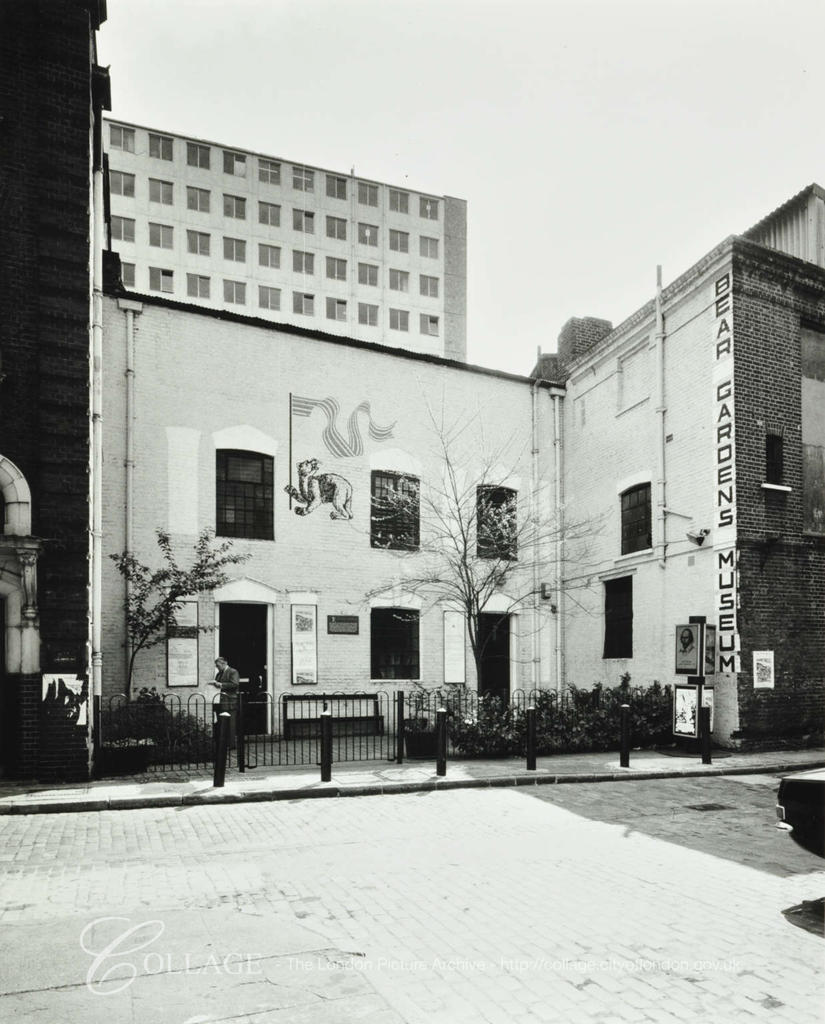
50	161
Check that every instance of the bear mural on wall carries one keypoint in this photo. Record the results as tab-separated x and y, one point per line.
316	489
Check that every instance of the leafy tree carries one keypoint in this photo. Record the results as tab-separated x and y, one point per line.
155	596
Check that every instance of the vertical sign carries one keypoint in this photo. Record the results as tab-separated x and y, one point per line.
724	479
454	667
182	647
304	645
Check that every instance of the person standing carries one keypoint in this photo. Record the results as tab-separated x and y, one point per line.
228	682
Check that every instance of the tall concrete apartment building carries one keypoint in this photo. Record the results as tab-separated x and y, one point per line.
231	229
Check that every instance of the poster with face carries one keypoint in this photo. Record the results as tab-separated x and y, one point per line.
687	649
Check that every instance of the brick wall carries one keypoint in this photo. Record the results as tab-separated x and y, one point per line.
45	64
782	570
203	381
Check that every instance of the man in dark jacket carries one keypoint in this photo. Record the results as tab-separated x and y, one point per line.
228	682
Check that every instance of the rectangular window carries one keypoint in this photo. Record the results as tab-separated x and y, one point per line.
368	274
197	286
367	314
428	247
122	138
399	241
160	235
336	269
160	191
269	213
160	280
394	511
197	199
269	255
368	234
636	530
303	179
336	309
303	303
399	201
269	298
399	320
303	220
269	171
428	324
160	146
234	163
234	292
399	280
197	155
197	242
428	208
618	618
336	228
234	249
234	206
336	187
121	184
244	495
367	194
428	285
496	522
303	262
127	274
123	229
774	459
394	644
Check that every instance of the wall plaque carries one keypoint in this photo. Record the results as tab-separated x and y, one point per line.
344	625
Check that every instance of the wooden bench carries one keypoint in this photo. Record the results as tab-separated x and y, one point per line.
353	714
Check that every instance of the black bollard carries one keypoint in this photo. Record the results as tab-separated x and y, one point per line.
704	734
624	736
441	730
240	738
221	750
326	746
531	739
399	727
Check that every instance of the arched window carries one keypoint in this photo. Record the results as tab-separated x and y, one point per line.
244	489
636	533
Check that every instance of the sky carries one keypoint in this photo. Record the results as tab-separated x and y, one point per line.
592	139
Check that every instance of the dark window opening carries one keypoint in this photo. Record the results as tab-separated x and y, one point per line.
394	644
618	618
395	511
244	491
496	522
774	463
636	535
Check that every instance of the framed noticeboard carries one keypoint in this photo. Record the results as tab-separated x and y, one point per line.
710	650
304	645
688	643
763	673
685	708
182	647
343	625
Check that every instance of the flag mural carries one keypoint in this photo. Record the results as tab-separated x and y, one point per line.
316	488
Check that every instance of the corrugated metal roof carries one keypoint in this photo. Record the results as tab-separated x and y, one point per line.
812	189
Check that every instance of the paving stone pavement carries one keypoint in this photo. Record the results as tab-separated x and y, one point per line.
607	903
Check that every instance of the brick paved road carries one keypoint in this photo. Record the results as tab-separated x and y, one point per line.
598	903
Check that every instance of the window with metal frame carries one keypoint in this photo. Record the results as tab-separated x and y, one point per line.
395	511
197	199
269	213
160	146
244	495
636	521
121	184
496	522
394	643
399	201
234	163
269	171
122	138
161	192
336	186
197	155
234	206
197	286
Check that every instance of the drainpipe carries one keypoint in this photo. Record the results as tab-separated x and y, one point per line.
97	436
536	669
661	488
559	544
131	309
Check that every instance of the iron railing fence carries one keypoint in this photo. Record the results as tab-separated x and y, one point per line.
167	733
